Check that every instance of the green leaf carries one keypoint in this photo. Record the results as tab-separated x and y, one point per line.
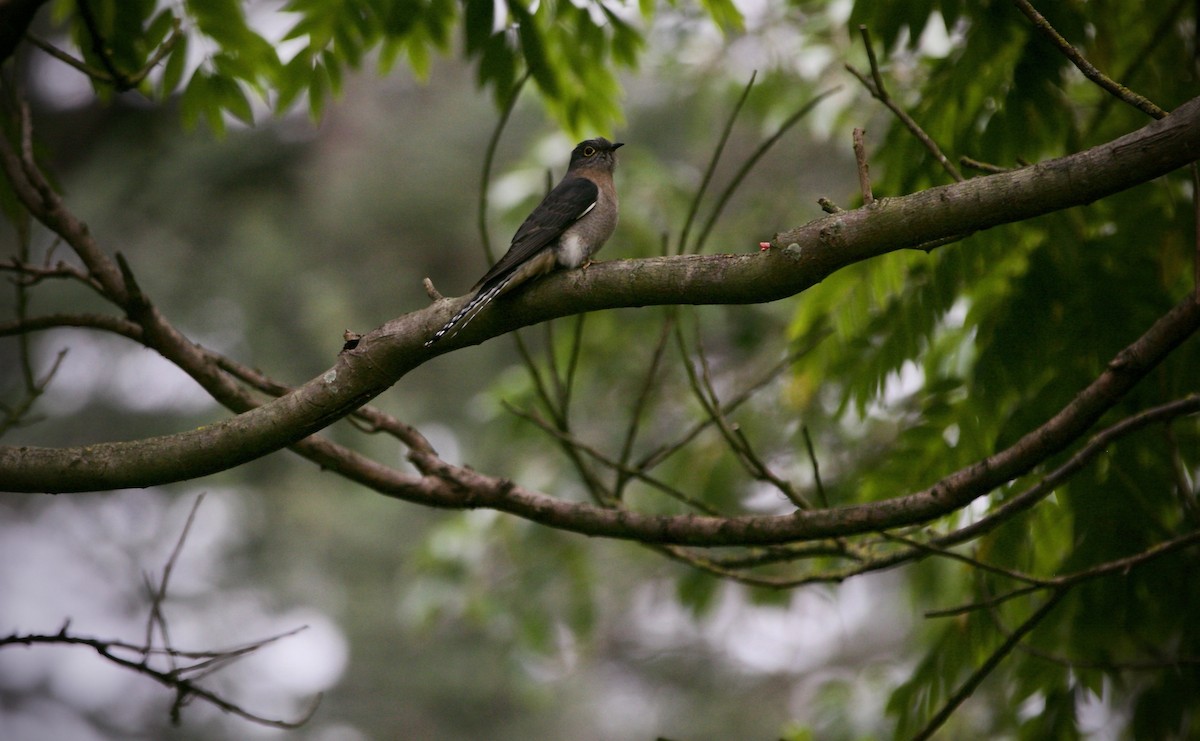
725	14
533	49
174	67
477	23
293	80
419	59
158	29
195	99
329	63
318	89
498	66
233	99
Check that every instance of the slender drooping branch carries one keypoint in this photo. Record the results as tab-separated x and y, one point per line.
874	85
489	156
748	164
712	166
1088	69
1004	649
446	485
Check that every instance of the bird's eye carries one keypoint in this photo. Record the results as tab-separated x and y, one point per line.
589	151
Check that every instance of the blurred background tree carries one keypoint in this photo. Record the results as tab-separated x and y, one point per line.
275	173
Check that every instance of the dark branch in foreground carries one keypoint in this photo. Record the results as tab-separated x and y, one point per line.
450	486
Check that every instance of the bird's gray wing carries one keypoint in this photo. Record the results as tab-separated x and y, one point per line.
563	206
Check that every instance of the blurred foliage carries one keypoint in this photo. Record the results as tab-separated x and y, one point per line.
1004	328
218	57
902	369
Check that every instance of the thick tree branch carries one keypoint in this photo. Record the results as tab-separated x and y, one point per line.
446	485
806	255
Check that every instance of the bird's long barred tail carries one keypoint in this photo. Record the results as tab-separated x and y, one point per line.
468	312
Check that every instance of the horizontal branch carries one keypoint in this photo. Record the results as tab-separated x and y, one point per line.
183	680
801	258
452	486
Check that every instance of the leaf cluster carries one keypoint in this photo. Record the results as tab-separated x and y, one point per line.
226	62
1003	329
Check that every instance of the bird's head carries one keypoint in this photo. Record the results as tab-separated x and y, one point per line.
598	153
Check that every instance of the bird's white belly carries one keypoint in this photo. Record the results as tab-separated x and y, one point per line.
572	252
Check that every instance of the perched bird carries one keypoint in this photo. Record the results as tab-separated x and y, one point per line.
570	224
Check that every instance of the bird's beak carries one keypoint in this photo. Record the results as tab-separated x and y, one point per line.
618	145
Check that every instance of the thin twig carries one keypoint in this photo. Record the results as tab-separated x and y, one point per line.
596	488
535	375
706	394
1089	70
1121	566
767	474
641	400
28	325
972	562
106	76
968	687
159	594
988	602
1175	663
864	169
159	54
770	555
31	275
875	87
1111	666
182	678
184	687
812	457
1128	563
18	413
556	380
753	160
666	450
986	167
734	569
711	566
1153	41
78	64
489	157
119	80
712	166
573	358
567	439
